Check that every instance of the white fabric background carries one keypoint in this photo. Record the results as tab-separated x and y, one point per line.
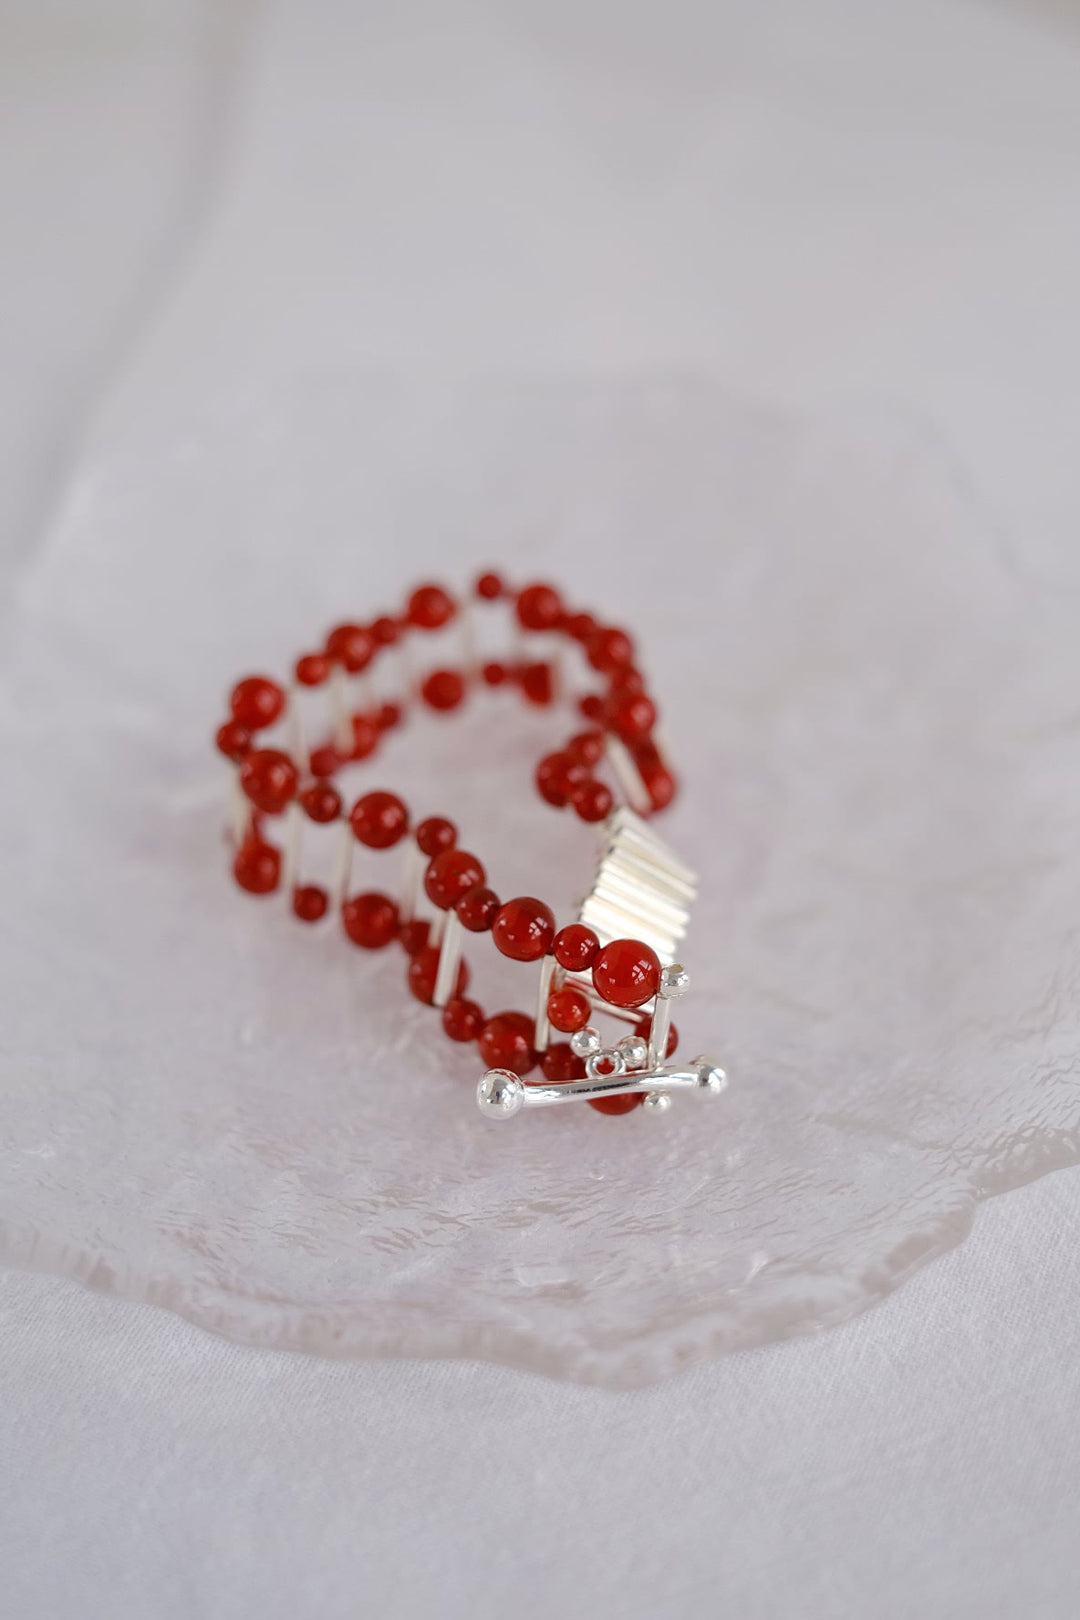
918	1462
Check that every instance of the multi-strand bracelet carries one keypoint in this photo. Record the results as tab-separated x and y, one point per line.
616	959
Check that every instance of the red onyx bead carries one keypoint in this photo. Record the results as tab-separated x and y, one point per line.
312	669
256	702
537	684
494	674
389	716
430	607
539	607
233	740
634	717
557	775
370	920
561	1063
592	706
379	820
644	1027
414	935
257	867
450	875
489	586
524	929
477	908
366	736
443	689
309	902
592	800
625	682
625	1103
586	746
568	1009
626	973
660	785
580	626
574	947
462	1020
436	834
609	649
269	779
352	646
385	630
506	1042
423	971
321	802
324	761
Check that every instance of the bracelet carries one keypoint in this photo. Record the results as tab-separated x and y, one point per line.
616	958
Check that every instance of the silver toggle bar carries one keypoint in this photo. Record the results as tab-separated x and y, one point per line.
502	1093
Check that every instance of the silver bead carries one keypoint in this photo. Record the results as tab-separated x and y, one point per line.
584	1042
657	1102
635	1051
500	1093
606	1063
674	981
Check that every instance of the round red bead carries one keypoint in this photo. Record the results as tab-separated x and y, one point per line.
352	646
660	785
379	820
462	1020
423	971
539	607
622	1103
309	902
537	684
489	586
370	920
257	867
430	607
256	702
476	909
435	834
389	715
506	1042
592	706
575	947
443	689
560	1063
233	740
626	973
269	779
568	1009
580	626
524	929
634	717
609	649
385	630
321	802
587	746
366	736
312	669
557	775
324	760
624	682
494	674
414	935
450	875
592	800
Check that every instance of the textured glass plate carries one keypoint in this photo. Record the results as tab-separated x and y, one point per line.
876	715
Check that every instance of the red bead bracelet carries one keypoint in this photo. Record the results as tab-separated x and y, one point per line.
615	960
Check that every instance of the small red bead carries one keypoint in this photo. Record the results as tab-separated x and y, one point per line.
537	684
575	947
609	649
489	586
414	935
661	786
634	716
622	1103
256	702
324	760
644	1027
436	834
506	1042
592	800
443	689
389	716
233	740
586	746
626	973
257	867
269	779
310	902
592	706
476	909
568	1009
352	646
385	630
539	607
557	775
423	971
430	607
312	669
580	626
370	920
321	802
450	875
462	1020
366	735
625	682
524	929
494	674
560	1063
379	820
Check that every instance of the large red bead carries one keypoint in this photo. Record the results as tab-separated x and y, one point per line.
257	867
626	973
609	649
324	760
462	1020
370	920
352	646
414	935
587	746
256	702
634	716
443	689
524	929
379	819
321	802
568	1009
423	971
592	800
269	778
312	669
489	586
233	740
430	607
309	902
506	1042
557	775
434	834
539	607
575	947
622	1103
450	875
560	1063
477	909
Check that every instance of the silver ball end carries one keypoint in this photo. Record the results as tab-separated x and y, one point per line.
635	1051
657	1102
711	1077
500	1094
584	1042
